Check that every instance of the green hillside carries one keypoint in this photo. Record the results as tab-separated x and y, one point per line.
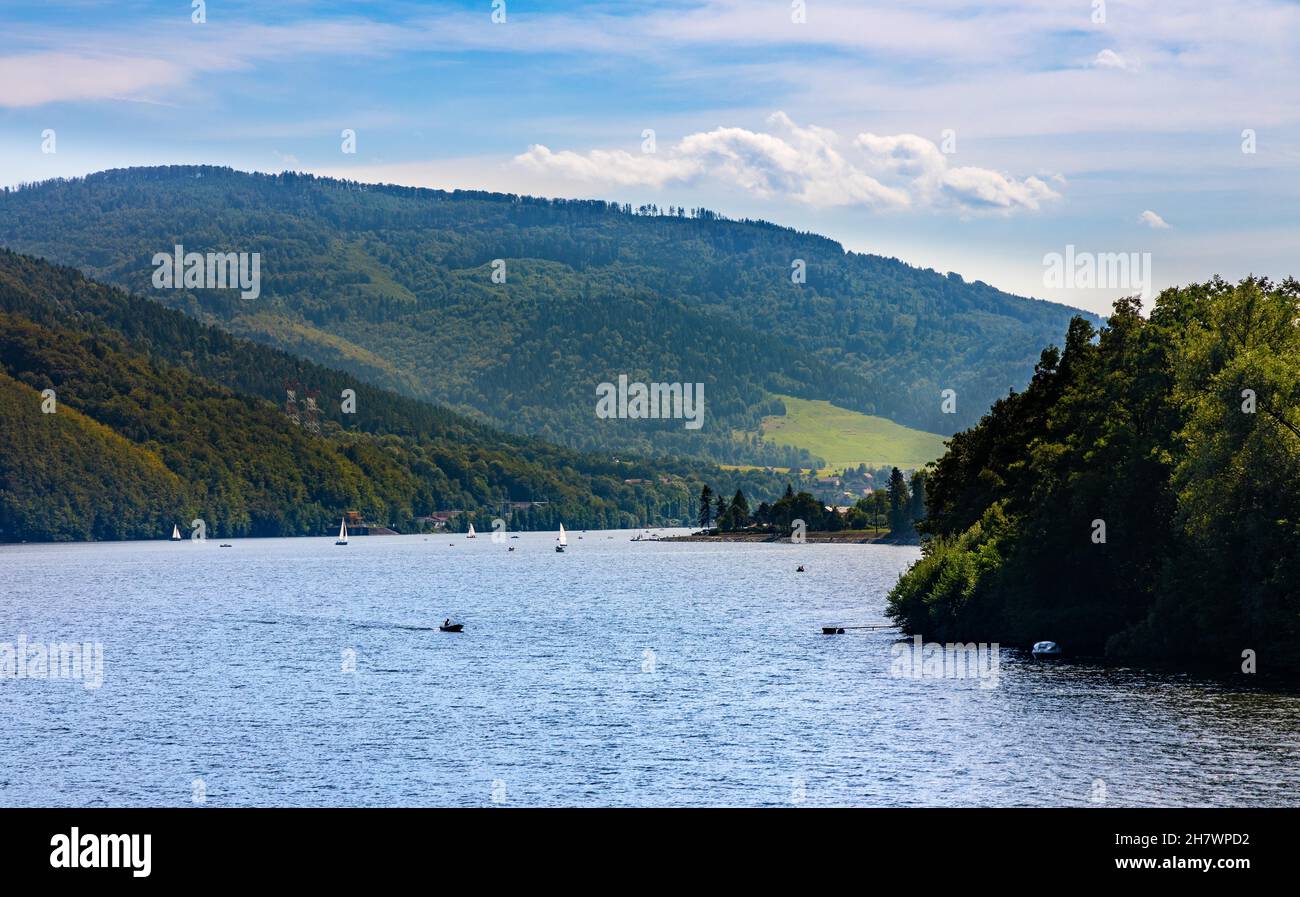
843	438
160	420
67	476
394	286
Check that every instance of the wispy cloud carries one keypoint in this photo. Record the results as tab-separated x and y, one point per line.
147	64
35	79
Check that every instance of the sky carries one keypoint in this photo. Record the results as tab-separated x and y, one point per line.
1012	142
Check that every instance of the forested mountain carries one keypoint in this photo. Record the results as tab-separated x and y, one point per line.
395	285
1141	497
155	419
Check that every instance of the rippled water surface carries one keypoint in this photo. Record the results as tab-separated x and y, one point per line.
617	673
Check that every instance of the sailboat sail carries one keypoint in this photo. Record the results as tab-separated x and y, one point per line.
176	533
343	532
471	531
564	539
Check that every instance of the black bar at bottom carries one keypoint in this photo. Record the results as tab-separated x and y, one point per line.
333	847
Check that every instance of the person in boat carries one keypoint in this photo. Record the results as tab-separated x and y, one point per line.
446	622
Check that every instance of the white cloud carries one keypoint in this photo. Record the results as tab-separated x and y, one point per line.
976	187
608	166
1153	221
1109	59
809	165
934	182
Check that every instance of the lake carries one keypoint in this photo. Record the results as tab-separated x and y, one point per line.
294	672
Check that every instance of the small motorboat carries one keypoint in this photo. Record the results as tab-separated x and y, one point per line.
799	569
451	627
1046	649
510	548
832	630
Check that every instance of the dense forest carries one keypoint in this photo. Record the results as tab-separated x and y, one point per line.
1140	498
395	286
120	418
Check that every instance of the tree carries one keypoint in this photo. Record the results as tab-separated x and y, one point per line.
739	510
900	504
917	488
879	503
706	506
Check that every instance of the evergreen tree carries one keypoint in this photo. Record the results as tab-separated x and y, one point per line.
739	510
706	506
900	504
917	488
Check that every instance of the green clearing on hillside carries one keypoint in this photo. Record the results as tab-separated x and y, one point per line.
843	438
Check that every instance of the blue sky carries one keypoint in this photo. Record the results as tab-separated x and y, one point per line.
956	135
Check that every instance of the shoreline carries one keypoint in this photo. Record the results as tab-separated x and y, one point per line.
849	538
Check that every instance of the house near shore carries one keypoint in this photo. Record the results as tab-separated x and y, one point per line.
357	526
439	519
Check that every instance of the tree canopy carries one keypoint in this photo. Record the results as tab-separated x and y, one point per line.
1140	497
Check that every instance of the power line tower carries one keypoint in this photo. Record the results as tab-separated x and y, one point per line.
311	411
291	390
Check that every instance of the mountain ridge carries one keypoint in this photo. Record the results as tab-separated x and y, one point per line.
357	272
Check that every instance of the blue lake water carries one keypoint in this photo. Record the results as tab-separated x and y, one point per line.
617	673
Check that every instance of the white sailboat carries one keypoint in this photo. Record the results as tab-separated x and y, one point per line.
343	532
471	532
563	541
176	533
